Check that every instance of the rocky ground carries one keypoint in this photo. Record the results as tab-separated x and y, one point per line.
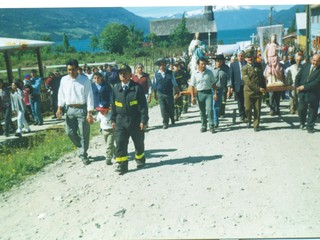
235	183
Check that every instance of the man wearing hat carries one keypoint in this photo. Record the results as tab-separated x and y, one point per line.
222	81
254	86
163	84
129	119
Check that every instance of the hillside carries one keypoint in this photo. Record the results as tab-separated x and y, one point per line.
77	23
284	17
81	23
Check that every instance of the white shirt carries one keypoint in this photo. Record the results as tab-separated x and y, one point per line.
105	120
75	91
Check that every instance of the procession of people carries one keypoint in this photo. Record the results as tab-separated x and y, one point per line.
119	99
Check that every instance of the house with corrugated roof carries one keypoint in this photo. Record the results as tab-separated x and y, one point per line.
205	25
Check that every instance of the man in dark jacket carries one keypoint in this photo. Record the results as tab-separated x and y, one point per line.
308	87
163	84
238	83
129	119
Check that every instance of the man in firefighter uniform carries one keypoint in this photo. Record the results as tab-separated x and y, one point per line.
180	102
129	119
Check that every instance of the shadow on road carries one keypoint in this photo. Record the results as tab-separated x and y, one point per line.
183	161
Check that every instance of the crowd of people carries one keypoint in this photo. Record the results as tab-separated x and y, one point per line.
118	98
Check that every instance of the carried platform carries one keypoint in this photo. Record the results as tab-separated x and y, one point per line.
279	88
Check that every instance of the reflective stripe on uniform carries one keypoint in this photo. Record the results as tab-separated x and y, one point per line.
118	104
122	159
134	102
139	156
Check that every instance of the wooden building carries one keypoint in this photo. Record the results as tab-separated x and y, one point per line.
205	25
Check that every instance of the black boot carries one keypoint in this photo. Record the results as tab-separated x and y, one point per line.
122	167
141	162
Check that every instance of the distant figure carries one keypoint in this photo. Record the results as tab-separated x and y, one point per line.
272	72
5	108
18	106
143	79
35	100
112	75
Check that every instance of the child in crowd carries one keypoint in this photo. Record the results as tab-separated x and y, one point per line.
104	117
18	106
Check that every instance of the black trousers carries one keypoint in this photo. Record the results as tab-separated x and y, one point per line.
310	108
122	134
166	103
240	101
275	101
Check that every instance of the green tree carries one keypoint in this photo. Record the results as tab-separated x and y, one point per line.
47	49
65	43
136	37
153	38
180	35
114	38
94	42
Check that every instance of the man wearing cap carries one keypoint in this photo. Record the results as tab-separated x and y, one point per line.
163	84
129	119
221	81
75	93
238	83
254	86
202	79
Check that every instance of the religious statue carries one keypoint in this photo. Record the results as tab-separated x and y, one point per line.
196	50
273	71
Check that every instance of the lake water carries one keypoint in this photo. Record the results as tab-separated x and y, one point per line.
227	36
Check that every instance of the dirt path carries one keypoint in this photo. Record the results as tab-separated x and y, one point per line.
236	183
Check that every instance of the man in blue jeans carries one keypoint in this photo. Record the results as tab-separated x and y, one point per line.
222	81
35	99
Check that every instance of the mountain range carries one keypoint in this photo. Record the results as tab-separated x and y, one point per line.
81	23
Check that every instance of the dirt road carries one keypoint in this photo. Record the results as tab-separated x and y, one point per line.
236	183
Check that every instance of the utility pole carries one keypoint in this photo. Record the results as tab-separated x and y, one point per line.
270	16
308	34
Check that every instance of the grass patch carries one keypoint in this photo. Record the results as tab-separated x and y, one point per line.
27	156
17	163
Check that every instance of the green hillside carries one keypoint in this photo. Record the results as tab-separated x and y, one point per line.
77	23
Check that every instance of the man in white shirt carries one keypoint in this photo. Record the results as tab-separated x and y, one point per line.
75	93
292	72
